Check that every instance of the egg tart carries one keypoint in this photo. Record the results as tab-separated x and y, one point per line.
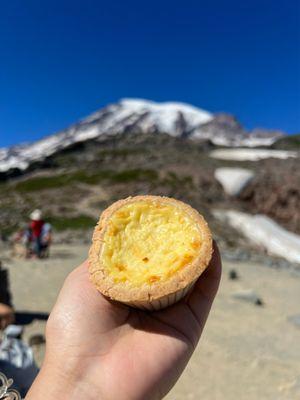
148	251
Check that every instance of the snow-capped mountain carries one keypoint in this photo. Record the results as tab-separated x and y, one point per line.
135	115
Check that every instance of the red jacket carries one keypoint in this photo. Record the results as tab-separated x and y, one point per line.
36	228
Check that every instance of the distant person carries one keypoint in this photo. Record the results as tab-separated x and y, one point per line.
34	238
36	227
46	239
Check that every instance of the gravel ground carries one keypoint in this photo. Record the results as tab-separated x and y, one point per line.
246	352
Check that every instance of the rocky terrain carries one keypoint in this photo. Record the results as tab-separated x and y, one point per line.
276	194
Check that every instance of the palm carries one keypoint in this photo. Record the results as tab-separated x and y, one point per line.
126	353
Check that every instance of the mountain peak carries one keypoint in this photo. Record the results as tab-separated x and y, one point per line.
167	106
138	116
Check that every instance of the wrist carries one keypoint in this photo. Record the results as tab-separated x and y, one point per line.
63	382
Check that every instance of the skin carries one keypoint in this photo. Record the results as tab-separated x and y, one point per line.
97	349
6	316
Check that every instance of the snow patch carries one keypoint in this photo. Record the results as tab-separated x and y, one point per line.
264	232
246	154
233	180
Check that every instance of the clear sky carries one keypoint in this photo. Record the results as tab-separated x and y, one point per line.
61	60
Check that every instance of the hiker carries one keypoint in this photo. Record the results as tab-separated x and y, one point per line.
34	238
36	226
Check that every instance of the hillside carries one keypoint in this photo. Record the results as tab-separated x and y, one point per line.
75	184
291	142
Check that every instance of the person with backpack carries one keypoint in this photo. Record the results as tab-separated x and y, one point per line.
36	228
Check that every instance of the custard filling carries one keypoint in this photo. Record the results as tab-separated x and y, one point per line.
147	242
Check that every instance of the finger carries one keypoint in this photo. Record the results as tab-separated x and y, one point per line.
203	294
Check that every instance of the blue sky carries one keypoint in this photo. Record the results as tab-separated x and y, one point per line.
61	60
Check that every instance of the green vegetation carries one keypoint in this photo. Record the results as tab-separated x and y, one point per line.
8	230
291	142
40	183
148	175
121	152
173	180
77	222
59	223
92	178
19	198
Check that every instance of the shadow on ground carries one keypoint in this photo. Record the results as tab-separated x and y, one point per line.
25	318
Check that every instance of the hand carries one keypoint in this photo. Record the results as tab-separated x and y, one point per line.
7	316
97	349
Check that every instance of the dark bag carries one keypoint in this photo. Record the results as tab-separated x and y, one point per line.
5	296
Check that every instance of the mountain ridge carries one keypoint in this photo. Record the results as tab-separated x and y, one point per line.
140	116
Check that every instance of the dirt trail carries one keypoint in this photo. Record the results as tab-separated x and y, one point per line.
247	352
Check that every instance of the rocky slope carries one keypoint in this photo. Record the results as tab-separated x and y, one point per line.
276	193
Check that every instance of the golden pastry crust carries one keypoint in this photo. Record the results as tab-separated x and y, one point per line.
157	294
